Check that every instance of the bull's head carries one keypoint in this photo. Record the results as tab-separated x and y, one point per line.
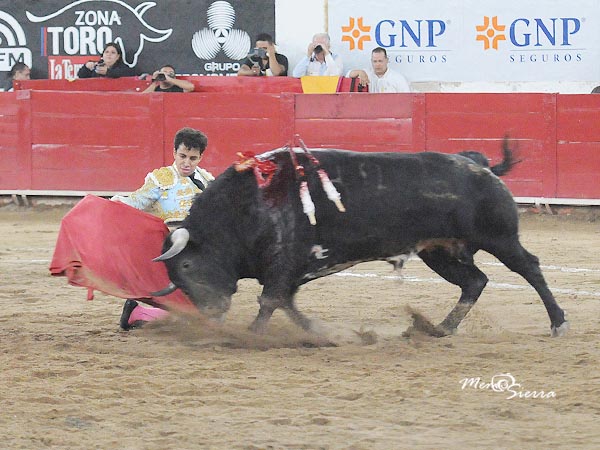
199	271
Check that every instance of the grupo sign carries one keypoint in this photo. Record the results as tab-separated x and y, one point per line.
202	37
472	40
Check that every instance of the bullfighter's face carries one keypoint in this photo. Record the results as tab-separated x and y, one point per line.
186	160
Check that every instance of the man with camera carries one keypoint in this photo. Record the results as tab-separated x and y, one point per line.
264	60
319	59
165	80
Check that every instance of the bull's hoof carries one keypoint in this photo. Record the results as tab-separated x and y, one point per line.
258	327
434	331
422	325
561	330
318	343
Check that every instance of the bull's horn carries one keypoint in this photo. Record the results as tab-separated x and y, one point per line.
179	238
165	291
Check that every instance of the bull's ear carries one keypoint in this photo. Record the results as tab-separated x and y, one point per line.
179	239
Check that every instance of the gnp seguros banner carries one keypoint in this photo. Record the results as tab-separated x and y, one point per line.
472	40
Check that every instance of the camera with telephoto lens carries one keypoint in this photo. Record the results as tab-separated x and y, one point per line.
160	77
318	49
257	54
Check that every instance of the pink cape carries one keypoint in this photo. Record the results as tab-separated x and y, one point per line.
109	246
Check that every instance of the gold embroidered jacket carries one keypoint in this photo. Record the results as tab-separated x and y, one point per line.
166	194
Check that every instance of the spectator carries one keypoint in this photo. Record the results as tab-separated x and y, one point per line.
19	71
168	193
111	65
319	59
264	60
596	90
165	80
380	77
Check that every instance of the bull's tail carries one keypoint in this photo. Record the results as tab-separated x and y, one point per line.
509	159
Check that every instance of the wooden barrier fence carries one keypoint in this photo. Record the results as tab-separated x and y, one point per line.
54	141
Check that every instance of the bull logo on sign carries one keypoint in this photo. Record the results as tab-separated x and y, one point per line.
95	22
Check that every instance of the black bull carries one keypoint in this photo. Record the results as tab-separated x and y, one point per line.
443	207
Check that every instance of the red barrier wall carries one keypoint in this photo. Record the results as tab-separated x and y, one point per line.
364	122
108	141
15	168
457	122
577	146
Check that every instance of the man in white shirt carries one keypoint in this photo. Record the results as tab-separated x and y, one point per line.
380	77
319	60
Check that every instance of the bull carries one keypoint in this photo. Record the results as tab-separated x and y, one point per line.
279	226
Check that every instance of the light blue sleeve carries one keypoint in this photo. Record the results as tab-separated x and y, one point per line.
300	69
335	66
143	197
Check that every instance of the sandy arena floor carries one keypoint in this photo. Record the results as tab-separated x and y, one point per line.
71	379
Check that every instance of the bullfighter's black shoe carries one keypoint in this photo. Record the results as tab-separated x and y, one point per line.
128	307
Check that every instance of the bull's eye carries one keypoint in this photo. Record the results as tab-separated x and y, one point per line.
185	265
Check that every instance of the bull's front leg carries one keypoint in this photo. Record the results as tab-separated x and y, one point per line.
267	306
278	291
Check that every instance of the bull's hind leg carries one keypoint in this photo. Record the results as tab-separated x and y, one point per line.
516	258
462	273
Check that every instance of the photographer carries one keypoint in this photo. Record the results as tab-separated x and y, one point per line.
111	65
319	59
165	80
264	60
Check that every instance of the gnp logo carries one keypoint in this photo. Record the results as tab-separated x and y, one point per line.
12	43
220	35
84	27
414	35
554	33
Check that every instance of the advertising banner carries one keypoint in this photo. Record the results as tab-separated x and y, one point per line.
200	37
472	40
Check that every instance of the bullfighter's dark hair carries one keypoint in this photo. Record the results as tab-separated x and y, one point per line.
379	50
264	37
191	138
